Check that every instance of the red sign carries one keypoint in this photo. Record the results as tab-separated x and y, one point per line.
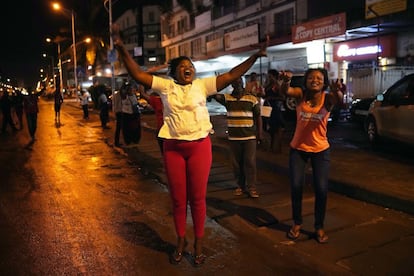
333	25
366	48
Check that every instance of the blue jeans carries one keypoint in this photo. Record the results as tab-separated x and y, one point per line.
243	159
320	169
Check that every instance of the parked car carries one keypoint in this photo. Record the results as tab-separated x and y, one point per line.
359	109
391	114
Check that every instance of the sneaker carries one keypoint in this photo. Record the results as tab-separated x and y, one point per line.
253	194
238	192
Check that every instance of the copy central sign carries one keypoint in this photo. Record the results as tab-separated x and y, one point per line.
325	27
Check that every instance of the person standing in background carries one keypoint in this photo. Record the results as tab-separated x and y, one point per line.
310	142
244	125
18	107
31	108
187	145
6	107
58	97
155	102
254	87
103	106
131	117
276	122
84	101
117	108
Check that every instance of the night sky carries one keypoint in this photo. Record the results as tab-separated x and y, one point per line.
26	24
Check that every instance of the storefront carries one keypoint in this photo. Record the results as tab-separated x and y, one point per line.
370	64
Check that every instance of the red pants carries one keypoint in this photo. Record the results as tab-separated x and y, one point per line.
187	164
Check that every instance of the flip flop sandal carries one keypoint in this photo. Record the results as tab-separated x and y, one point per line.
199	260
176	257
322	238
293	235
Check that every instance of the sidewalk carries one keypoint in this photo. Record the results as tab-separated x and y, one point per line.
354	173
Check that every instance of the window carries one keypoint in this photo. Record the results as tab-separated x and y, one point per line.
223	7
151	16
182	25
251	2
171	30
184	49
283	22
401	93
196	48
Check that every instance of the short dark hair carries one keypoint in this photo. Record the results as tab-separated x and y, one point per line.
273	72
324	73
172	65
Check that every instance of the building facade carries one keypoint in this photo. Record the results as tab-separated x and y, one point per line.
219	34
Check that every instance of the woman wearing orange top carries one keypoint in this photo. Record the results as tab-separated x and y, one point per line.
310	142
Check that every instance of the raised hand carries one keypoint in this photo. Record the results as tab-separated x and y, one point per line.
335	85
285	76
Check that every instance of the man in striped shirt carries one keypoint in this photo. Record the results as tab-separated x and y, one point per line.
244	125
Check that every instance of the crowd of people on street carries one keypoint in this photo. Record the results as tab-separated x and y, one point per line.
183	131
14	105
187	146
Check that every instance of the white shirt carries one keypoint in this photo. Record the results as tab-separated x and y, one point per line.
85	98
186	115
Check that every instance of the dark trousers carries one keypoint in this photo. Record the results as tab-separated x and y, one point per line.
7	120
104	114
131	128
320	169
85	111
243	159
118	127
31	119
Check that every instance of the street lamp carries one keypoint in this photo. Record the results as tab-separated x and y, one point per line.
112	53
52	68
57	40
57	6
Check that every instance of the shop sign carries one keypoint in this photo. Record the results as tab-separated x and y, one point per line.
329	26
375	8
365	49
215	45
241	38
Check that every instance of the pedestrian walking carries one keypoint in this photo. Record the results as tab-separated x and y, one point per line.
131	117
244	125
103	106
84	101
18	107
58	97
31	109
6	107
310	142
187	145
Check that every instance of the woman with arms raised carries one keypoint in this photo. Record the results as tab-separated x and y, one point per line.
314	104
187	145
